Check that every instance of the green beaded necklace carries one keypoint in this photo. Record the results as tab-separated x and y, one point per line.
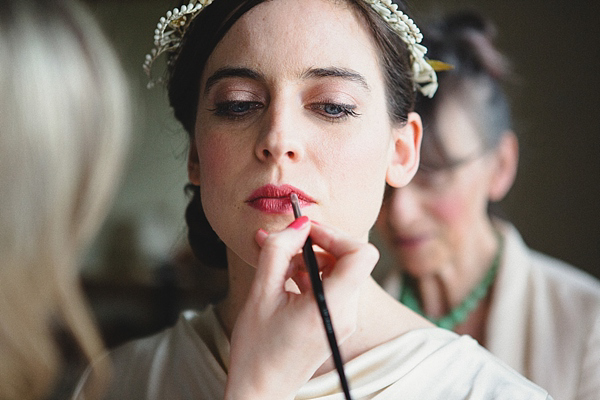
459	314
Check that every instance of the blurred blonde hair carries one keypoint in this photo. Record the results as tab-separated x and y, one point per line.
64	129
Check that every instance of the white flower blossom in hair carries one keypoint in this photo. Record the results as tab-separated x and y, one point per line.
169	33
424	76
170	30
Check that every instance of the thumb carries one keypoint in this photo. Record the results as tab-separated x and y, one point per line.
276	254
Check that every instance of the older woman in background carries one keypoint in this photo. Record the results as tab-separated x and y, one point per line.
64	127
460	266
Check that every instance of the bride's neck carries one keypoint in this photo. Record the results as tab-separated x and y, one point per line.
376	309
240	277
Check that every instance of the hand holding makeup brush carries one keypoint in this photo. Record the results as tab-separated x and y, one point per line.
274	339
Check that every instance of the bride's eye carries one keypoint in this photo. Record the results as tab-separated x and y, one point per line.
334	111
236	109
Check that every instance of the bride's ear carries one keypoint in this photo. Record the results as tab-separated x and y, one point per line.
404	161
193	163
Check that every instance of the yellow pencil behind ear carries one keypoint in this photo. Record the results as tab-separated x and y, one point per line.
438	65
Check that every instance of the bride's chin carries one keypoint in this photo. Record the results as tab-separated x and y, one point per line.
248	257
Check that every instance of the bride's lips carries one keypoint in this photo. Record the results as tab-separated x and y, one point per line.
276	199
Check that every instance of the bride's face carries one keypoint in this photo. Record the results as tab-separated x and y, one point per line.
292	100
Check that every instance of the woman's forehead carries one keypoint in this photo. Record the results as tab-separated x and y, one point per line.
285	15
455	128
297	35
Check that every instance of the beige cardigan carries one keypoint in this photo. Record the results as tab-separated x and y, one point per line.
544	319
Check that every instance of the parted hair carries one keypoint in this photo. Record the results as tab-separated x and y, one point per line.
185	75
466	40
64	127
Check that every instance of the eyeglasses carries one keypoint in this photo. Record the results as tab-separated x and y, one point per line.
437	179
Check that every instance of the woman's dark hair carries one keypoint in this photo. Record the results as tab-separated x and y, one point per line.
466	41
185	73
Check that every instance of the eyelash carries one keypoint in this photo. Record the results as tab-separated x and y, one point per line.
226	109
346	110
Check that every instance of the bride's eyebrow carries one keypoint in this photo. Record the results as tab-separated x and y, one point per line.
229	72
241	72
343	73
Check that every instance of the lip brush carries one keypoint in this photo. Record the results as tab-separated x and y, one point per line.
313	271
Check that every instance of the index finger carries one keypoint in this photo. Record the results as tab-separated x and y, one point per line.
276	254
333	241
355	259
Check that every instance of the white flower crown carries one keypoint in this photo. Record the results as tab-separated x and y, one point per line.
171	28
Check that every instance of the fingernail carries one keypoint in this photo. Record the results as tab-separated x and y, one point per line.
298	223
263	233
261	236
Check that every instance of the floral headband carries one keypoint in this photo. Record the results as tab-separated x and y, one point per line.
171	28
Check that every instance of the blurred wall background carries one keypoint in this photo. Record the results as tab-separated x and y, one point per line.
555	49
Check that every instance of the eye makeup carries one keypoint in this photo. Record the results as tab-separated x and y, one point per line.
335	111
310	261
235	109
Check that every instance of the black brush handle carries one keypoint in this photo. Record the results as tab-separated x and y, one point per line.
312	266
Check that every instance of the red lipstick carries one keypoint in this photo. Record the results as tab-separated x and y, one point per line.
276	199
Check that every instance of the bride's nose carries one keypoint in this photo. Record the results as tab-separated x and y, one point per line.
281	137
